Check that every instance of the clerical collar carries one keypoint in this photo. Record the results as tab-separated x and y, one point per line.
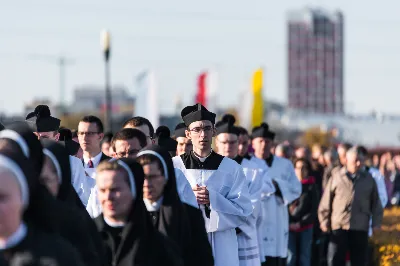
269	160
202	159
153	206
15	238
114	224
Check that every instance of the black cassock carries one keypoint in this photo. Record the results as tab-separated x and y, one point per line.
76	225
179	221
42	249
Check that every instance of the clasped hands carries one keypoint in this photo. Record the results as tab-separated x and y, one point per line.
202	195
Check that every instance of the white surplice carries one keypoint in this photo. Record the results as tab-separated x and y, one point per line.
230	205
185	192
249	252
81	182
267	190
275	213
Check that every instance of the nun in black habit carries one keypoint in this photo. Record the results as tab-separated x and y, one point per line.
19	137
179	221
134	241
56	217
22	243
56	173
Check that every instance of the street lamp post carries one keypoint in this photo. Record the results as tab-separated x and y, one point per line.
106	46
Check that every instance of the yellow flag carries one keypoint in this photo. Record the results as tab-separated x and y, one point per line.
258	103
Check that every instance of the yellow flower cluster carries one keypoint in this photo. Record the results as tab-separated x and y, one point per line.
387	241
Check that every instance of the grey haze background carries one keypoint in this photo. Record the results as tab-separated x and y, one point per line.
180	38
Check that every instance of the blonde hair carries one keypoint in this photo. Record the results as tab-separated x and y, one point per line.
112	166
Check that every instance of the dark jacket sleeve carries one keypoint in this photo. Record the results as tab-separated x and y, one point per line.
201	249
376	207
306	211
310	216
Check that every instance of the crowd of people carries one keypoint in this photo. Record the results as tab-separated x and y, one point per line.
211	193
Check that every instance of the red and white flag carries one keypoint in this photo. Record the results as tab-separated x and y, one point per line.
207	89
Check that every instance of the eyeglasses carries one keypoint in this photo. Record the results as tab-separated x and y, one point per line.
89	133
127	154
197	130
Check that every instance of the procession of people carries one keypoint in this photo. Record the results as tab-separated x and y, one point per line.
209	193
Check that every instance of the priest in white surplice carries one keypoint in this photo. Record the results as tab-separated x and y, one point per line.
227	144
219	184
288	188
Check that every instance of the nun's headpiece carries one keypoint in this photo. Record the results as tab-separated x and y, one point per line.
18	166
31	147
42	121
262	131
195	113
166	163
135	176
227	125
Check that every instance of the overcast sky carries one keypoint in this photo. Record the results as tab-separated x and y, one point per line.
178	39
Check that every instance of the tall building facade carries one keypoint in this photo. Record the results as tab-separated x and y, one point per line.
315	61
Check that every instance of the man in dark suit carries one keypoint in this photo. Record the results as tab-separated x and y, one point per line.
90	135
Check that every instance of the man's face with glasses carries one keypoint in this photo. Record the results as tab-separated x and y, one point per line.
89	136
201	134
127	148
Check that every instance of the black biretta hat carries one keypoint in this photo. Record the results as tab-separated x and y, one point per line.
42	121
227	125
163	136
262	131
180	130
195	113
66	140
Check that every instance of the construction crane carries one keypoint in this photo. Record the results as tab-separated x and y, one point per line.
62	62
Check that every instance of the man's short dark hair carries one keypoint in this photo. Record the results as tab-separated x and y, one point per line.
347	146
107	137
362	150
95	120
138	121
128	134
243	131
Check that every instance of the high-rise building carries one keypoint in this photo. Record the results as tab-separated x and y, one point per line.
315	61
